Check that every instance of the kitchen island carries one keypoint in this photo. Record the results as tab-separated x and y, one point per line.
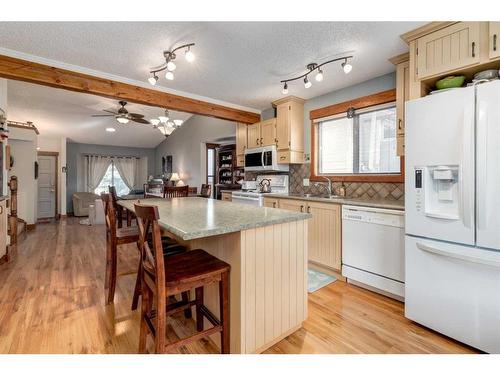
267	250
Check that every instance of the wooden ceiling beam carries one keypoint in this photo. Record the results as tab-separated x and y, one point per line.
28	71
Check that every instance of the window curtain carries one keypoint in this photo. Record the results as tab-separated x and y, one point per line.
96	169
127	168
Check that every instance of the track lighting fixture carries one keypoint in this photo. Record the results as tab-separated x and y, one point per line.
152	80
169	64
307	83
285	89
319	75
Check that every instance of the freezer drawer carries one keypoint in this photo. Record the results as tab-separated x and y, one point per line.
454	290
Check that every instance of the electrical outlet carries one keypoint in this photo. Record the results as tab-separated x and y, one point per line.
307	157
305	182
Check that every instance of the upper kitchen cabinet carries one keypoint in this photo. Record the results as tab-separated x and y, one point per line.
453	47
268	132
253	135
402	95
290	129
241	144
494	34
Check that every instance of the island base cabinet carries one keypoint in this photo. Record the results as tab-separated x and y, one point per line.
268	283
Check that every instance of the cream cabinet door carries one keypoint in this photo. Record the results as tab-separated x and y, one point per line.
241	139
268	132
283	126
402	94
454	47
325	242
494	42
253	135
293	205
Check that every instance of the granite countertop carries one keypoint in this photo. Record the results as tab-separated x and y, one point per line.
377	203
191	218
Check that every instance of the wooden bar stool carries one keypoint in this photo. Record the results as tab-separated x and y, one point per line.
165	276
116	236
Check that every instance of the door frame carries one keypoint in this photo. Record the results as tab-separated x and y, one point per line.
56	154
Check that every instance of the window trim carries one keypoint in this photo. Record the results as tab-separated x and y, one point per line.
332	111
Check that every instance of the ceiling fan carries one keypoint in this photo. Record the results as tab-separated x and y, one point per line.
123	116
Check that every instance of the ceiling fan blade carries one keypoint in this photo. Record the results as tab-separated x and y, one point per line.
140	120
136	115
107	110
103	115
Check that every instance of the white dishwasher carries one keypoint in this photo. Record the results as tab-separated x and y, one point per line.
373	247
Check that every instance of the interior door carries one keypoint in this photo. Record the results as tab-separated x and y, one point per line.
440	143
488	165
46	186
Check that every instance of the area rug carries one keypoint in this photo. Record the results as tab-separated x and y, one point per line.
317	280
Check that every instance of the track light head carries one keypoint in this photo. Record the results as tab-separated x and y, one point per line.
307	83
346	66
285	89
152	80
319	76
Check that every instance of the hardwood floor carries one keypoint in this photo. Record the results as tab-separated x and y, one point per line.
52	301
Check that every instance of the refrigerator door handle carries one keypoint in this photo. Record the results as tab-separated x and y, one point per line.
450	254
467	191
482	167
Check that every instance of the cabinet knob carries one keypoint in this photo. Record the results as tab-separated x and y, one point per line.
1	210
282	157
308	209
301	208
274	204
399	124
473	49
494	42
261	141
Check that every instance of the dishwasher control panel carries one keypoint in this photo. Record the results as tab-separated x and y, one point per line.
393	218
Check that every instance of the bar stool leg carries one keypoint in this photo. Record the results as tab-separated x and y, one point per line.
112	274
224	312
145	308
185	296
199	303
137	289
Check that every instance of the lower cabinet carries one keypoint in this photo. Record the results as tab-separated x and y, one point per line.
325	245
325	230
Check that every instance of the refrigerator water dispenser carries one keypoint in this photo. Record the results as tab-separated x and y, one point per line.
441	191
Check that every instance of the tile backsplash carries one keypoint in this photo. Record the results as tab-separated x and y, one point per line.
365	190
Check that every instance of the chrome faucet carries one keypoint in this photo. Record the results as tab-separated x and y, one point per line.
329	186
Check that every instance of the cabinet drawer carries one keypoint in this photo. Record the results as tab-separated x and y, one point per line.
456	46
283	157
227	197
271	202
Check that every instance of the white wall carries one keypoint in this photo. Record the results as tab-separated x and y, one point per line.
23	143
3	105
57	144
187	147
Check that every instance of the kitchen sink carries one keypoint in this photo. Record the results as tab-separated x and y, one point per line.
325	196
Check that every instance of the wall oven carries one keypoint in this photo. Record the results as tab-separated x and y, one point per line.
263	159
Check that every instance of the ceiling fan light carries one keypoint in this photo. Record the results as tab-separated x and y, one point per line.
347	67
152	80
189	55
154	121
178	122
285	89
163	119
171	66
319	76
110	130
307	83
169	75
122	119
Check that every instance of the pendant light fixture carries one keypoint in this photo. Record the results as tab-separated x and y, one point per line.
169	64
319	75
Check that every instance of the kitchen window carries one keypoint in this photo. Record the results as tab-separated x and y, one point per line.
360	146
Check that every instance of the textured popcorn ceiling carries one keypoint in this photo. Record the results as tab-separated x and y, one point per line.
240	63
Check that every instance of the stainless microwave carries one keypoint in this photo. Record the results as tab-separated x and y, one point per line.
263	159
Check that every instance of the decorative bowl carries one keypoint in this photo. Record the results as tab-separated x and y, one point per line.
449	82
